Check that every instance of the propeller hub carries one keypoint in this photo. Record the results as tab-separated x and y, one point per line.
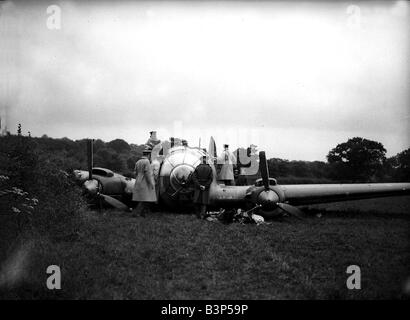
91	187
180	176
268	198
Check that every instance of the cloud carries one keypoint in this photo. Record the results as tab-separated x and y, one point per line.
113	68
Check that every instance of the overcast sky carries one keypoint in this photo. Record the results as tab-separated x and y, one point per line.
294	78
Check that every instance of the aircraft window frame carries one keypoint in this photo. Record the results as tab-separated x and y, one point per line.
102	172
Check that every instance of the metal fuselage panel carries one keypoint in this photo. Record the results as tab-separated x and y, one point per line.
174	183
114	185
228	196
176	189
185	160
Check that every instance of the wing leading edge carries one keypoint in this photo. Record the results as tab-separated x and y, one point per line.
321	193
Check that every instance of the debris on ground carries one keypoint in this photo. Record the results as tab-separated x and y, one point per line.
227	216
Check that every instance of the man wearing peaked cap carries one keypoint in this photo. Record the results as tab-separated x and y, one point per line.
226	160
202	178
153	140
144	187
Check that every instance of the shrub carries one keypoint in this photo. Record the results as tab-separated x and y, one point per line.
35	194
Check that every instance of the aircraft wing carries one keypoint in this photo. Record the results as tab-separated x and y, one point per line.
321	193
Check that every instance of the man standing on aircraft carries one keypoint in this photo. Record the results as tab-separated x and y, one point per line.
144	187
227	160
202	178
153	140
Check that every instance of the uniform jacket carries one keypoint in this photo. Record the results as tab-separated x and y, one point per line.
144	188
202	176
227	159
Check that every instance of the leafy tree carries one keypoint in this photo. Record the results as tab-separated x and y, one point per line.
401	164
110	159
34	191
278	167
131	162
18	159
98	144
136	150
119	145
357	159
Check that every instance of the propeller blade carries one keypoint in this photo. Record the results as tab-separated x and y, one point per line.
212	149
114	202
293	211
263	167
176	191
90	158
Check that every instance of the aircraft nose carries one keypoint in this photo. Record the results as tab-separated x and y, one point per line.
268	198
91	186
180	175
80	175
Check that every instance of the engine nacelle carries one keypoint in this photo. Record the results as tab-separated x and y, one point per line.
175	174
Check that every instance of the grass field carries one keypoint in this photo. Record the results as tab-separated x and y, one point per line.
175	256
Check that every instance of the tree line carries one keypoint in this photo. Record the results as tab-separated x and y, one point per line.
356	160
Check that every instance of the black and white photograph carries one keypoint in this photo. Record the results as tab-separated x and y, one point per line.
194	151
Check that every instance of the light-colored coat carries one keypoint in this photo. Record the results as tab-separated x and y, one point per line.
144	187
227	159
